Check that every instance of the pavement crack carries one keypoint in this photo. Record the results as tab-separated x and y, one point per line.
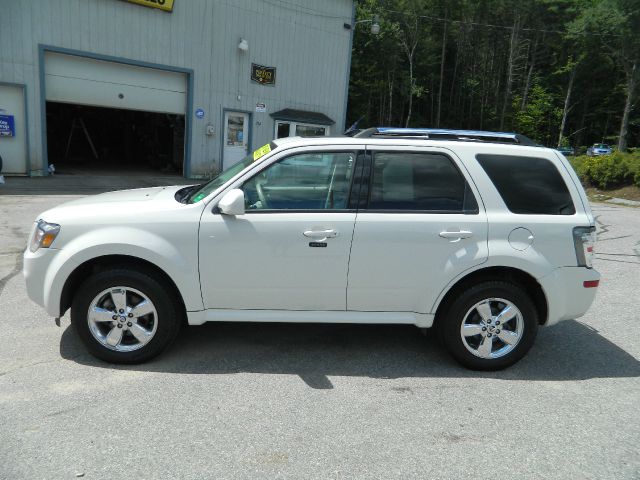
612	238
604	228
28	365
16	270
617	261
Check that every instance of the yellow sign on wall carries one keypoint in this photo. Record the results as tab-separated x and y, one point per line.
166	5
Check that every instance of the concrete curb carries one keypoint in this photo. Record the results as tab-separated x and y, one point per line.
623	201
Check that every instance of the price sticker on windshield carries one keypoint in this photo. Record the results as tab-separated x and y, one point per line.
261	152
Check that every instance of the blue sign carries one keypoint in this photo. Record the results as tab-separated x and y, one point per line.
200	113
7	126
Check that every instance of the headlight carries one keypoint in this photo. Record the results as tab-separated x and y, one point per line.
44	235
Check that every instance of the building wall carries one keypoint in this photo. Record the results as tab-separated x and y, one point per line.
304	39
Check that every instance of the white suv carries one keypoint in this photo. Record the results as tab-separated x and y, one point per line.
481	235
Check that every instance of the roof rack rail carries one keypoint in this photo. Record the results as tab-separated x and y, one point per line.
445	134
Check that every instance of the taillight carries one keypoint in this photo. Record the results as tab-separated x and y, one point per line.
584	239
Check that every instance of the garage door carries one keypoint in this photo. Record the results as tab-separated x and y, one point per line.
13	132
86	81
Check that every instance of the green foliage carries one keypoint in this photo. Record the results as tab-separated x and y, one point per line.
470	42
533	119
609	171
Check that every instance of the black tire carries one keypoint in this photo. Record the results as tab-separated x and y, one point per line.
168	307
452	320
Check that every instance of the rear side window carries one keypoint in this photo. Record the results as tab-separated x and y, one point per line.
528	185
419	182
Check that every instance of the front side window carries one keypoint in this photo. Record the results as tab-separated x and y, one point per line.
308	181
528	185
419	182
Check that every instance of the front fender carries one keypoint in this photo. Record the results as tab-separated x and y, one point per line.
177	260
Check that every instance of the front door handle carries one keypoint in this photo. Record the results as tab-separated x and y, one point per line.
323	234
456	236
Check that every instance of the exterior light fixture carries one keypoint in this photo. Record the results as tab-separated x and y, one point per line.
243	45
375	25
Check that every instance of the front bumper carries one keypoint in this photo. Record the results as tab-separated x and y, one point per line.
36	270
567	296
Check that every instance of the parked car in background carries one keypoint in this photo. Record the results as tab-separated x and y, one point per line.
481	235
567	151
599	149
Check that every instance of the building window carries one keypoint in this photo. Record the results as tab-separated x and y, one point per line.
292	129
282	129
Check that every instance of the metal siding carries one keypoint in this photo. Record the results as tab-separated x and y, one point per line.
14	150
304	39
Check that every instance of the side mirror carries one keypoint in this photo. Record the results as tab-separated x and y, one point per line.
232	203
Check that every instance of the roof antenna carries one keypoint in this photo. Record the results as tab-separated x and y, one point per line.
353	129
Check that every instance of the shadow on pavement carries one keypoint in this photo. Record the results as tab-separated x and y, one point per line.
568	351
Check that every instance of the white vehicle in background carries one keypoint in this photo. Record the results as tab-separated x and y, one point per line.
598	149
479	235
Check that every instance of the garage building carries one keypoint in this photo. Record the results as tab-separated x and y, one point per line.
182	86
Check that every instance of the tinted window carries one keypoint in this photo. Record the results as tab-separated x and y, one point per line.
283	130
528	185
311	181
419	181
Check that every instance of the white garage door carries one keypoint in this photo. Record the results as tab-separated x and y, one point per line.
86	81
13	147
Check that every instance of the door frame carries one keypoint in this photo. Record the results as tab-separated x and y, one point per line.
188	120
26	123
223	129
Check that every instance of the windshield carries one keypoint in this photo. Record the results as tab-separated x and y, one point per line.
220	180
204	190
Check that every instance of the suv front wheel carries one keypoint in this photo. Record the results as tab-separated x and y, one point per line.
490	326
125	316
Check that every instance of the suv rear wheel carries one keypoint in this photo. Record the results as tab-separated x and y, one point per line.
490	326
125	316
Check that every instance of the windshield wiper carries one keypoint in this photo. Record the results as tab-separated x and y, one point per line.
182	194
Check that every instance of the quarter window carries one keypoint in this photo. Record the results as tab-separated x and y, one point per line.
528	185
419	182
310	181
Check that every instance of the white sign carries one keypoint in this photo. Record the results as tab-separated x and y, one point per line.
261	107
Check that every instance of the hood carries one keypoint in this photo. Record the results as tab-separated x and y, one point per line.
115	204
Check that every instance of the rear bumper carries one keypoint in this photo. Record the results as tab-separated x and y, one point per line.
570	291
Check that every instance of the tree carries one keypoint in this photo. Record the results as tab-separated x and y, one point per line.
538	113
617	22
464	63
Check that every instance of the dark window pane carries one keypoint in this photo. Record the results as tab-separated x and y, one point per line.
283	130
528	185
418	181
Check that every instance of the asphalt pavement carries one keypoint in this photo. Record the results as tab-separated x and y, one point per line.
273	401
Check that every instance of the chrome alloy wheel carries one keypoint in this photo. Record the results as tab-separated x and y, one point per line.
122	319
492	328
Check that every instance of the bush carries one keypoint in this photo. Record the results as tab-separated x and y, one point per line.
609	171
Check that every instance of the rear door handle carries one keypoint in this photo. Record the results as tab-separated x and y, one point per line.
456	236
324	234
